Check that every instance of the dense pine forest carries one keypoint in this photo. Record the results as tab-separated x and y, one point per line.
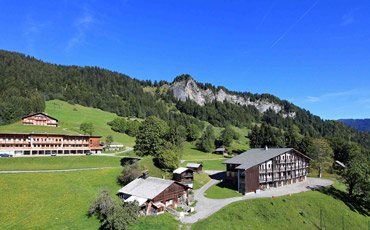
27	83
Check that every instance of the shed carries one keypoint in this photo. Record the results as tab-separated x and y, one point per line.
222	151
196	167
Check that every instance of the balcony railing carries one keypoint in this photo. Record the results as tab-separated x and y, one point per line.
188	175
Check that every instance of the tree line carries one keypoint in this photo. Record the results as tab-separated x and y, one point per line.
28	82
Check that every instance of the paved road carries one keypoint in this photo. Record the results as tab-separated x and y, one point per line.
206	207
115	154
56	170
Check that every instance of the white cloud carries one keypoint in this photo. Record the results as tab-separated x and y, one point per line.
347	19
82	24
312	99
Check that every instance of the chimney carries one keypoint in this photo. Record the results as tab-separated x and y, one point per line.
266	148
145	174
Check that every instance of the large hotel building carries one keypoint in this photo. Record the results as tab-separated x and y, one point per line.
265	168
18	144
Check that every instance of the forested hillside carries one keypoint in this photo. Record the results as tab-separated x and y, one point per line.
28	82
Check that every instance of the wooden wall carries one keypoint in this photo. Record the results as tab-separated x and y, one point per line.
252	179
171	193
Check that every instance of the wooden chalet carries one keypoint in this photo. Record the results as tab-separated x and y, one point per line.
184	176
154	195
265	168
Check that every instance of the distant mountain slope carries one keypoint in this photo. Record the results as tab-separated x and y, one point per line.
28	82
359	124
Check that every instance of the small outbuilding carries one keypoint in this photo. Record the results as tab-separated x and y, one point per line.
222	151
196	167
184	176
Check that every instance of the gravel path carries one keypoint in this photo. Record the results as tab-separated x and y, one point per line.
57	170
206	207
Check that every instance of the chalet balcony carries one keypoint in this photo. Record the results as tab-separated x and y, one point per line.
269	170
188	175
269	179
262	180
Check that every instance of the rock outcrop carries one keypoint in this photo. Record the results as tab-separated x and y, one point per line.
188	89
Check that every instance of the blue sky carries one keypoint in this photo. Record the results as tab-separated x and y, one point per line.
315	54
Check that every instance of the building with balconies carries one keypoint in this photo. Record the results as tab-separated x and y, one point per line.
265	168
41	119
18	144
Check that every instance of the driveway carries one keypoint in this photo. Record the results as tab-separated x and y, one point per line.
206	207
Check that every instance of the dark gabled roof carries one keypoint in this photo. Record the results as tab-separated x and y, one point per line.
256	156
42	114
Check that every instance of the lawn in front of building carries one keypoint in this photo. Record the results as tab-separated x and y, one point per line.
57	162
200	180
222	190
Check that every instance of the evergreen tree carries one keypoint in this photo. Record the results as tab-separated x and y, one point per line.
192	132
207	142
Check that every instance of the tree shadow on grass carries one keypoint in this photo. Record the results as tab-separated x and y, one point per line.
354	205
218	176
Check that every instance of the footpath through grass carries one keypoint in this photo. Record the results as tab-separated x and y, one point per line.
300	211
58	200
57	162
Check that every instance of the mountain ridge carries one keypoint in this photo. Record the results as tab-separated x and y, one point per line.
125	96
359	124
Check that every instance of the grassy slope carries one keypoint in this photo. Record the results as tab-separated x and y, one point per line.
222	190
147	163
59	162
191	153
60	200
52	200
70	121
164	221
209	164
300	211
200	180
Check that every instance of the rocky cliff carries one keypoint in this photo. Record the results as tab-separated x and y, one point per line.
185	89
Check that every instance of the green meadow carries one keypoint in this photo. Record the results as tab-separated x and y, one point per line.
299	211
209	164
58	200
58	162
70	117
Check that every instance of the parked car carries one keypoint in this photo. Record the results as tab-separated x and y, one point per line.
5	155
54	153
88	153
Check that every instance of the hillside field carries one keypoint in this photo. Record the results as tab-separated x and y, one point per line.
58	162
70	117
299	211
